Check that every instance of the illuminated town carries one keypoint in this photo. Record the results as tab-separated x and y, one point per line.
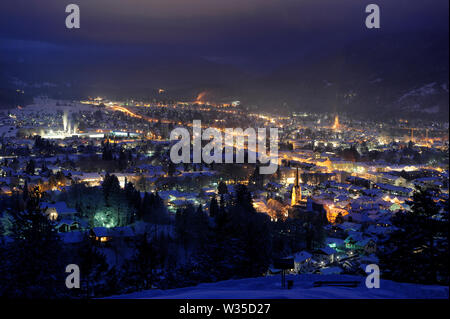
358	178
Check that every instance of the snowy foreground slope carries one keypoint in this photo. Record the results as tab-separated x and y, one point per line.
269	287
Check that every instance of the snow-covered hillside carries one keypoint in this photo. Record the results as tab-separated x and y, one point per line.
52	106
270	288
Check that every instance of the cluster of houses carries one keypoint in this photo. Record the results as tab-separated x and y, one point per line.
73	229
348	252
360	212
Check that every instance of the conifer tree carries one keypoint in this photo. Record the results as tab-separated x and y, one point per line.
418	250
35	257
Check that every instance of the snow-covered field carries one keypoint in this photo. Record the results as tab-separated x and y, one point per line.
51	106
270	288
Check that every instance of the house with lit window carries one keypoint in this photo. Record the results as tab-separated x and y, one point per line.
394	190
325	255
357	243
336	243
302	261
101	234
67	225
58	210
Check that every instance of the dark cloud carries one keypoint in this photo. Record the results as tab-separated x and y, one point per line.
196	21
232	31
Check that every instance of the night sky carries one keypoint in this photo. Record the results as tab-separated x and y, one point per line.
247	33
200	44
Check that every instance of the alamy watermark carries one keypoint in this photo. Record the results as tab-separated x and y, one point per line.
73	279
373	277
233	142
372	20
73	19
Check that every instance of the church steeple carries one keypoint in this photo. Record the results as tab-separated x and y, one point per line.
296	190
